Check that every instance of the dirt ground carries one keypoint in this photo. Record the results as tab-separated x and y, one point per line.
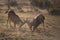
52	28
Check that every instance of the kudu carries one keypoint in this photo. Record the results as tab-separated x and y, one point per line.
36	22
12	17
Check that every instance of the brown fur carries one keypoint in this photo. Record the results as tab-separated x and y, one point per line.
36	22
12	17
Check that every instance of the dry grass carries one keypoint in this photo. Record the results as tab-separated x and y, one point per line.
51	25
52	28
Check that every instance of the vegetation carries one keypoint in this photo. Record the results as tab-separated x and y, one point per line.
47	4
42	3
54	11
13	3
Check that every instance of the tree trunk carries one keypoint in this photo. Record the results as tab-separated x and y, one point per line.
8	4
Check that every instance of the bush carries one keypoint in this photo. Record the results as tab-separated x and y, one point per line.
55	11
41	3
13	3
2	34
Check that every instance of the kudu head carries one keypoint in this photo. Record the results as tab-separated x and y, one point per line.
26	20
23	22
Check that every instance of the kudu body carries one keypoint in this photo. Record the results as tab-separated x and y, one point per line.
12	17
36	22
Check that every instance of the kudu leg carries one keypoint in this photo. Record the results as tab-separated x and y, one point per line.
31	28
8	23
43	26
35	27
14	26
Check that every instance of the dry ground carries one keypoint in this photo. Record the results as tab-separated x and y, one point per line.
52	28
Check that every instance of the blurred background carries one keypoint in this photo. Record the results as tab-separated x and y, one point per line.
52	6
30	9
